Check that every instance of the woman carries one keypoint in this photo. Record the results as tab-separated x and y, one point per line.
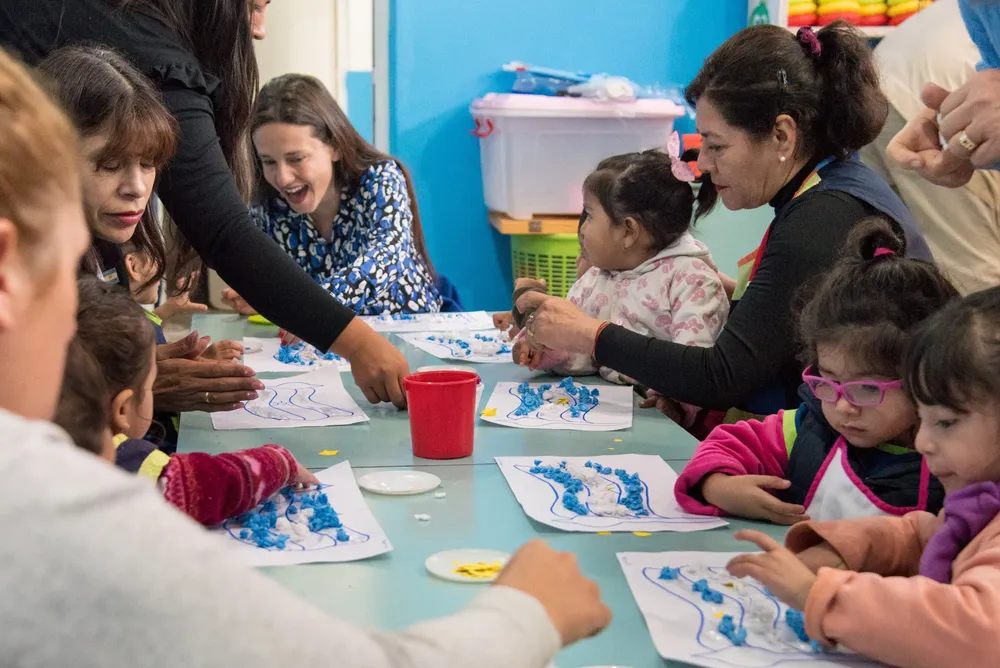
781	116
100	556
342	209
127	135
200	55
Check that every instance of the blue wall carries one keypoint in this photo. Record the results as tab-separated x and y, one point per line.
445	53
360	103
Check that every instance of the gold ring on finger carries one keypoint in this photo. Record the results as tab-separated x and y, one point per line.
966	143
207	400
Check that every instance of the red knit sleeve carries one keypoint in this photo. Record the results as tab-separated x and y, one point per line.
214	488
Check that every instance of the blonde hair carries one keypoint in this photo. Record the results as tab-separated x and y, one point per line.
39	153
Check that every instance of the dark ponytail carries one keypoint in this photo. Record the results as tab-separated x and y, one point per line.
872	299
828	83
708	196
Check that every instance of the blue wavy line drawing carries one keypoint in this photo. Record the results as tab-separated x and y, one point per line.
565	416
564	515
293	401
753	654
326	538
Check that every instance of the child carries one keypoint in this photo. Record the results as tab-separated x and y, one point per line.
830	459
648	273
342	209
83	402
918	591
113	328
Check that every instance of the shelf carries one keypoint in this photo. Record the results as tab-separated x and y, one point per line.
540	225
871	32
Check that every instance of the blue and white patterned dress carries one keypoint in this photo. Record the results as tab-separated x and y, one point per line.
371	262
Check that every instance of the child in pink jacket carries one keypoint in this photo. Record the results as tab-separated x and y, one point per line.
919	591
647	272
848	449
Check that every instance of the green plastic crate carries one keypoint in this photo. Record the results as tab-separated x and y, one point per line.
548	256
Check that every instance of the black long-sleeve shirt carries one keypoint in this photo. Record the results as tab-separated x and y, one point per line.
758	343
196	187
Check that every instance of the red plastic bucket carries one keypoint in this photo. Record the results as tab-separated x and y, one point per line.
442	406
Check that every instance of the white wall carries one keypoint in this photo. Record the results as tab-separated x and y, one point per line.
301	37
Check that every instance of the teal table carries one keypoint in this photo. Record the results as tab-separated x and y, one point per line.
393	590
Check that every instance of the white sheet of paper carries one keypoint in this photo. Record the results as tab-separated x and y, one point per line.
451	351
366	538
431	322
542	498
684	627
314	399
613	411
264	360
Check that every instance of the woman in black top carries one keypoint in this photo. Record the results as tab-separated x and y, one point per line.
781	115
199	54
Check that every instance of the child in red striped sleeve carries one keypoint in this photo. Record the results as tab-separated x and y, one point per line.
114	329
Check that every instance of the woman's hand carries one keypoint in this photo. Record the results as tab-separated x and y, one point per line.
747	496
973	109
223	351
378	368
918	148
184	382
558	324
776	568
232	299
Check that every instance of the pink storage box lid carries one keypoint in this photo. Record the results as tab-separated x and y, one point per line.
546	106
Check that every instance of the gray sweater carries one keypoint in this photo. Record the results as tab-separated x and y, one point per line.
96	570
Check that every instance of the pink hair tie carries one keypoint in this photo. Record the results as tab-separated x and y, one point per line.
810	42
879	252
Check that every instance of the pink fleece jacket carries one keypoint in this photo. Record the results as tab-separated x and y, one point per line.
897	616
751	447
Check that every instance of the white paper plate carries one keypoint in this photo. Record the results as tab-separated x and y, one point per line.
443	564
399	482
446	367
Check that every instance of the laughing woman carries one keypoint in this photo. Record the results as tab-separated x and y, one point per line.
339	207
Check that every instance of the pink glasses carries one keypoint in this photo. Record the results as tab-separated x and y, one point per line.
859	393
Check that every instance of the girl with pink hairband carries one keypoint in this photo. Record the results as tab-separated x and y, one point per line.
847	451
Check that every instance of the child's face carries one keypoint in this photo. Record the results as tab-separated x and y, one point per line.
115	194
603	244
961	448
297	164
141	268
867	426
139	411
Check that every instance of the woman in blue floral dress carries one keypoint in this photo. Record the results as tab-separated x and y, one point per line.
343	210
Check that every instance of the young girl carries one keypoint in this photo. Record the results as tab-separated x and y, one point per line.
918	591
114	329
648	273
848	449
343	210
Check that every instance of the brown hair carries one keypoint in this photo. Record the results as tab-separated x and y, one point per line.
643	186
103	93
299	99
831	92
38	153
218	34
84	402
117	332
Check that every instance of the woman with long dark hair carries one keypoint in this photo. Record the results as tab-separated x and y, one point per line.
199	54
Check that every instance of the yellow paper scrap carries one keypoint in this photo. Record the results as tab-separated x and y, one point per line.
328	453
603	533
719	614
611	449
562	401
490	412
642	534
618	440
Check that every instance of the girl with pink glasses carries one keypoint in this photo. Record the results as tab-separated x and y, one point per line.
847	451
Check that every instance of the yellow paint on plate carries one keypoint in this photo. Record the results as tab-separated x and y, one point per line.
642	534
259	320
490	412
603	533
328	453
479	570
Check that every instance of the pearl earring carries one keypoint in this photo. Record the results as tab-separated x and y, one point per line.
781	158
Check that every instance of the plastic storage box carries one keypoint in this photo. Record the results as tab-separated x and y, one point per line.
536	150
548	256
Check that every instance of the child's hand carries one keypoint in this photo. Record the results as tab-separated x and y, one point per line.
180	304
821	556
224	351
287	338
304	478
747	496
504	321
231	299
525	355
668	407
776	568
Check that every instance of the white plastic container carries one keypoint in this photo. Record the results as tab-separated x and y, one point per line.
536	150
